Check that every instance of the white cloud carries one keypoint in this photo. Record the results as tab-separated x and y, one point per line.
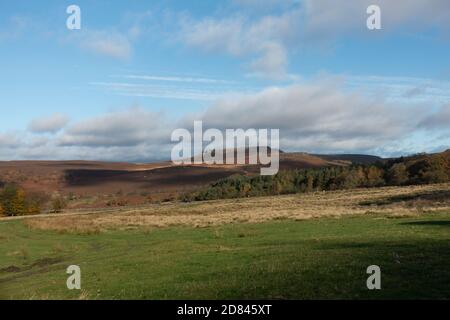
330	18
272	63
433	92
9	140
132	134
262	3
268	41
177	79
215	35
112	44
439	120
317	117
127	128
161	91
320	116
266	38
50	124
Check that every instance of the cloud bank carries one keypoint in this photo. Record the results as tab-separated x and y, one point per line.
50	124
314	117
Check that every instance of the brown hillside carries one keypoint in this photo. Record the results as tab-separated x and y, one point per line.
131	183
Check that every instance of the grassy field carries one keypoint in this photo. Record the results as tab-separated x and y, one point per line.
323	258
278	258
395	201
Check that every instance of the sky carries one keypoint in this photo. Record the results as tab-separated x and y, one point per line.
136	70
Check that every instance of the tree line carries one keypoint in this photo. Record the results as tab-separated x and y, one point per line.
418	169
14	201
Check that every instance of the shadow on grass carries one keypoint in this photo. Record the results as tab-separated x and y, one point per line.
410	269
441	223
369	245
427	196
338	270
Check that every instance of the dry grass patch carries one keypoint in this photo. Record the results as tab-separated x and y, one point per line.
392	201
79	224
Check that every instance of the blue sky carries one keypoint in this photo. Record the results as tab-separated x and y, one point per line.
77	93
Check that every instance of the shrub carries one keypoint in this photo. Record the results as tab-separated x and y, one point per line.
58	204
12	200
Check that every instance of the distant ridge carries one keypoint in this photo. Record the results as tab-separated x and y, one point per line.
353	158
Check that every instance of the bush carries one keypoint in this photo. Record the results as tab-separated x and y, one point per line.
12	201
58	204
34	202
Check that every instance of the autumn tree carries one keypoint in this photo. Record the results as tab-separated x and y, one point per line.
12	200
15	202
398	174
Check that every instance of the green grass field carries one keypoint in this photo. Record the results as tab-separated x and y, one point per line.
318	258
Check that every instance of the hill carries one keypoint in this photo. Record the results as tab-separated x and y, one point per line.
417	169
99	184
353	158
